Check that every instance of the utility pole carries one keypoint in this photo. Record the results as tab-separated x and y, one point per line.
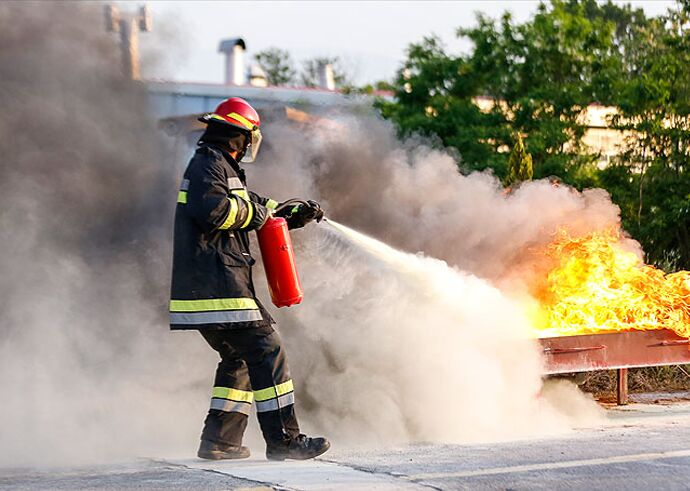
129	26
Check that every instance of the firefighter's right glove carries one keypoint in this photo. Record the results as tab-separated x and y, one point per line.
302	213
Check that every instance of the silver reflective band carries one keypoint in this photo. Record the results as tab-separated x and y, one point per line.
215	317
275	404
230	406
185	185
235	183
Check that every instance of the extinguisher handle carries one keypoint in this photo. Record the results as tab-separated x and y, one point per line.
291	202
298	212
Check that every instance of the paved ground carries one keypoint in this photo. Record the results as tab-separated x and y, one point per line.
645	446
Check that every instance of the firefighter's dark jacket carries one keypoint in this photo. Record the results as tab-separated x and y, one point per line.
212	284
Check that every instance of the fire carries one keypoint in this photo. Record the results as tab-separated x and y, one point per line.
597	286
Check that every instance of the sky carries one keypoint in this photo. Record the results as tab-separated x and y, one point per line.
370	37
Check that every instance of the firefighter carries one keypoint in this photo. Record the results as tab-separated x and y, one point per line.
213	292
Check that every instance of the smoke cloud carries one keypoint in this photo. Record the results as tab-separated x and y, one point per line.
428	344
412	197
88	370
401	348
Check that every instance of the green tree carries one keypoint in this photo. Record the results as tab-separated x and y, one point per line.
536	78
434	95
278	66
381	85
519	164
651	176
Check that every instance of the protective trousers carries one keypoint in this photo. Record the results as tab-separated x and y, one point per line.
253	367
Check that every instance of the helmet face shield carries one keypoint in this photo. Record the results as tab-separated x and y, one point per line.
253	148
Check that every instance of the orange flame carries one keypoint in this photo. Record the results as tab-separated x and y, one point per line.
597	286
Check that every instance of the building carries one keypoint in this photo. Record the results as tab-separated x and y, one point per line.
599	137
178	105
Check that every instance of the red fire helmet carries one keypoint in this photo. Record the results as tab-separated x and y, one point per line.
240	114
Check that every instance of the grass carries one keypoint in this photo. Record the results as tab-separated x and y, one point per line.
651	379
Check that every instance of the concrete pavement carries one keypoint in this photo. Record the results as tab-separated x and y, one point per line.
642	446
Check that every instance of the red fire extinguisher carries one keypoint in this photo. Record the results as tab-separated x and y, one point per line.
279	263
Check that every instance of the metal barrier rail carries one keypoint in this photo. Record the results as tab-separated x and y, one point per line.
620	351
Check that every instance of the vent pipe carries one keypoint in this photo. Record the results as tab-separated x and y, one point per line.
128	26
326	76
233	49
257	76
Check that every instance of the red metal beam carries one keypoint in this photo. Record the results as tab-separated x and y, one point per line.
614	350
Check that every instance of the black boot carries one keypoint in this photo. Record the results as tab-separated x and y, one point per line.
214	451
298	448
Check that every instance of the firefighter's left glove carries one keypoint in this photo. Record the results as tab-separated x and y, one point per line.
315	211
302	213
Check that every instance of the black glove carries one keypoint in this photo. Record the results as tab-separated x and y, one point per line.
299	215
316	211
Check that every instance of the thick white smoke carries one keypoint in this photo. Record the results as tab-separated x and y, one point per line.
405	347
412	349
88	368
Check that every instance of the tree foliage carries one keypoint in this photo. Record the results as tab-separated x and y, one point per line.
278	66
280	69
654	111
537	78
519	164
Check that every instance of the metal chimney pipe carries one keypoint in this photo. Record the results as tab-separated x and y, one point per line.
326	76
129	39
234	60
128	26
257	77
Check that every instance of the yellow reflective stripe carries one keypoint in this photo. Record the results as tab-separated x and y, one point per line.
238	117
232	215
182	197
212	304
233	394
250	214
215	116
284	388
242	193
273	392
271	204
